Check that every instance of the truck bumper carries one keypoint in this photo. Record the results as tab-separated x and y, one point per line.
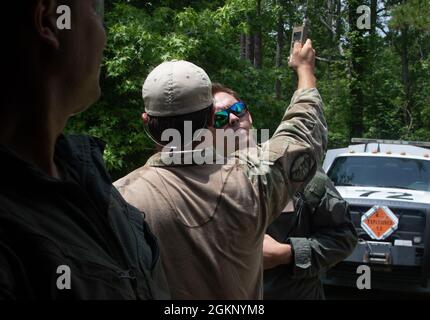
396	268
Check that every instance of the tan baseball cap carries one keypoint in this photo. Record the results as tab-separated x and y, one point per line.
176	88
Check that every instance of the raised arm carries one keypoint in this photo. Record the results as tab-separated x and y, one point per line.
299	141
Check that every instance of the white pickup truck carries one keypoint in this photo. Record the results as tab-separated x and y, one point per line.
387	185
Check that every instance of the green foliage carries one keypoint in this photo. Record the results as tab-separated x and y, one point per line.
143	34
414	13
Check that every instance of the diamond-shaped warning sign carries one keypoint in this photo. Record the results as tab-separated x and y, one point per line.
379	222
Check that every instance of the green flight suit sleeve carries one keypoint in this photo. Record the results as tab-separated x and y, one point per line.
333	234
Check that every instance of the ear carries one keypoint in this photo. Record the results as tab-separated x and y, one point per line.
45	22
145	118
250	117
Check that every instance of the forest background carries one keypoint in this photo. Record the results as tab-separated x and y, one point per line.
374	80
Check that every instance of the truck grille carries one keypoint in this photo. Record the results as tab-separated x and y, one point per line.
412	224
400	277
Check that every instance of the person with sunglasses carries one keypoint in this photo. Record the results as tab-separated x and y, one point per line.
313	232
65	231
230	112
222	117
210	217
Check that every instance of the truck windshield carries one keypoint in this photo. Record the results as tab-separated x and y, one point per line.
384	172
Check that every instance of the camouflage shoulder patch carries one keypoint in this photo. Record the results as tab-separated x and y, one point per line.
301	168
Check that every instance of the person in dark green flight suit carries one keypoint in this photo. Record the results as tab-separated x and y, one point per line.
310	236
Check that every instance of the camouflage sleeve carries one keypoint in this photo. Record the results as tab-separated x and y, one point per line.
304	122
293	151
333	234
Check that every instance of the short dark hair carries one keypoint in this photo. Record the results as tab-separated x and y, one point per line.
218	87
201	119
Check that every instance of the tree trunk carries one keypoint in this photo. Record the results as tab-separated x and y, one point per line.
258	58
243	46
330	17
279	53
358	58
250	44
406	77
339	27
250	47
373	17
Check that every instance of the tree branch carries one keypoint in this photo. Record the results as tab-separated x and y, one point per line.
328	60
328	27
380	27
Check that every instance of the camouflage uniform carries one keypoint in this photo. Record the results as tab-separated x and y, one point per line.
211	219
320	233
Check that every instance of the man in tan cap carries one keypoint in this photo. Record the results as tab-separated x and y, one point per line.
211	217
